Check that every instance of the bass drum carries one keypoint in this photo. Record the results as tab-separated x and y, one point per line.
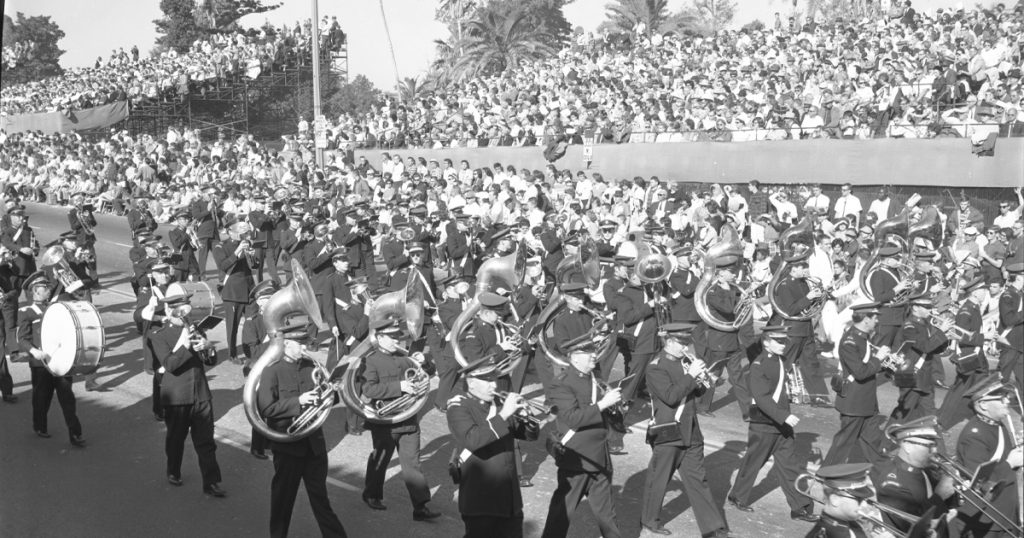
73	337
204	300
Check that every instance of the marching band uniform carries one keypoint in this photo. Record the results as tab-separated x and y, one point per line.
186	266
236	285
10	289
187	402
44	383
585	466
857	401
254	342
683	284
769	434
1011	327
791	297
83	222
921	343
673	396
846	487
444	357
139	217
459	247
902	485
490	499
639	327
954	408
304	460
15	236
383	375
148	319
883	290
204	213
724	345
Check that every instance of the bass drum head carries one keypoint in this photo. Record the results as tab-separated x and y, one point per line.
72	335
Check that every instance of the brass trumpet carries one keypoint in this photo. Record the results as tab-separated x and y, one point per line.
949	326
892	361
705	378
530	412
419	379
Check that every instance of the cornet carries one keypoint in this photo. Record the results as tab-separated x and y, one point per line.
891	361
949	327
530	412
705	378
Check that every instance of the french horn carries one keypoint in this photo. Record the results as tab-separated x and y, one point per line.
405	305
297	297
503	273
798	234
583	265
727	247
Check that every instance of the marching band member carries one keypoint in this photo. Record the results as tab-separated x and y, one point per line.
722	298
906	481
845	488
140	219
487	334
771	429
971	364
460	246
337	298
186	267
448	311
44	383
263	224
857	397
185	394
83	222
485	430
292	240
921	343
683	283
233	257
286	388
316	255
10	290
581	453
384	381
149	315
79	269
635	310
19	238
794	295
351	321
254	342
986	439
1011	326
205	214
677	443
886	284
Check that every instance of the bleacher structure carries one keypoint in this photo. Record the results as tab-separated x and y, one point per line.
230	105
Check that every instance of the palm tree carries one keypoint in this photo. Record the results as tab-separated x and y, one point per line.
624	15
412	88
502	36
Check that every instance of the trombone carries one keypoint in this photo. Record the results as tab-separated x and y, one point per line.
974	494
878	521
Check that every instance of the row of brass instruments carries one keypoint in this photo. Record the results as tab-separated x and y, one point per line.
532	410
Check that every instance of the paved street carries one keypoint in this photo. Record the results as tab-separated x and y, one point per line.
116	486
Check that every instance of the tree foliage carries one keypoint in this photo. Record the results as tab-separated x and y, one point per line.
624	15
354	97
714	15
412	88
504	35
185	21
32	41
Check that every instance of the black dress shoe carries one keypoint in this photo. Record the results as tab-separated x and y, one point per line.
374	504
213	490
77	440
658	530
424	514
707	414
10	398
804	515
740	506
525	483
42	434
258	454
158	418
174	480
619	450
721	533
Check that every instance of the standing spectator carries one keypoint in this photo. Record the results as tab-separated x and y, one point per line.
848	204
757	200
880	206
785	210
1007	216
964	217
816	202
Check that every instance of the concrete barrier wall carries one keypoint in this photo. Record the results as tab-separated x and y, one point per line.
58	122
944	162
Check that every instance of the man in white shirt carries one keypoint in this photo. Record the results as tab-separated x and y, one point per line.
880	206
848	204
817	201
1008	216
784	209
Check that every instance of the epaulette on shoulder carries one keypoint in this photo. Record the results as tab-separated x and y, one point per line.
26	307
455	400
654	362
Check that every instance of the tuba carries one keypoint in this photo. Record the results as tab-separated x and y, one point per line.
798	234
585	265
728	247
895	230
653	268
297	297
405	304
54	258
495	275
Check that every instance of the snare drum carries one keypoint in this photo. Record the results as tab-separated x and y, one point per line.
73	337
203	300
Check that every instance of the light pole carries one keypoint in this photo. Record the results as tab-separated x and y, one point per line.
318	124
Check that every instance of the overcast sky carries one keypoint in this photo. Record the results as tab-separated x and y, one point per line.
95	28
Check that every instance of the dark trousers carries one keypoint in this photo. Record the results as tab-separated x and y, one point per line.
540	363
447	376
10	326
205	245
268	269
158	408
233	313
311	470
955	408
258	443
913	404
637	365
6	381
689	461
863	433
493	527
196	418
1011	363
802	352
572	487
760	445
385	441
737	379
44	384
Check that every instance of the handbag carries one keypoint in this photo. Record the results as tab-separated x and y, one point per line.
659	434
455	467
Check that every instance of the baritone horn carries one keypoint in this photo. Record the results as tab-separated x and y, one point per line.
297	297
54	258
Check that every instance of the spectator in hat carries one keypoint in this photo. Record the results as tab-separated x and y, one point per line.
971	364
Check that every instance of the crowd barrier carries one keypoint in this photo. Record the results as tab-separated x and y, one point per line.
941	162
59	122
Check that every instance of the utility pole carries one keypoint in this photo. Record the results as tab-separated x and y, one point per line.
319	127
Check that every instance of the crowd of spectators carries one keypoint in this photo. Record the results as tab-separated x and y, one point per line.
167	74
914	76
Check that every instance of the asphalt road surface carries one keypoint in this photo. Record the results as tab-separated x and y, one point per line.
116	486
